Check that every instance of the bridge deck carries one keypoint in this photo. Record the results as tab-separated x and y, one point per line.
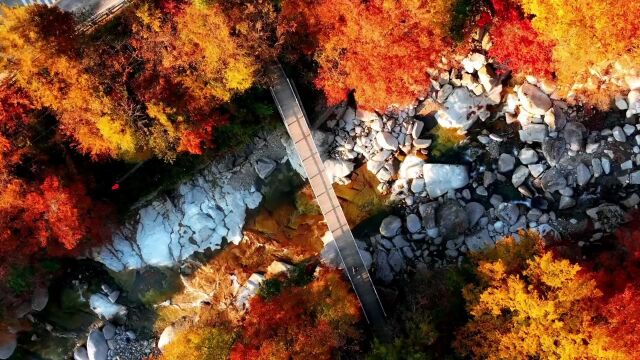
295	120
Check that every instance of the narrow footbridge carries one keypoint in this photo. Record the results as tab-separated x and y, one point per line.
295	119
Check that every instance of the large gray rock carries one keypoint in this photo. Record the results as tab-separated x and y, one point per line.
8	344
506	163
80	353
264	167
474	212
478	240
97	348
411	167
452	219
552	180
383	269
508	212
574	134
533	133
459	110
428	212
390	226
413	223
582	174
40	298
534	100
387	141
566	202
553	150
440	178
528	156
109	331
520	175
619	134
396	260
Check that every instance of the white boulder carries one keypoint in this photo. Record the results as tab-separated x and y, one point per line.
337	169
249	290
440	178
387	141
411	167
474	62
168	334
460	110
103	307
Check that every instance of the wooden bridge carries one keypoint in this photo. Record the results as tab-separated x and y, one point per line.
295	119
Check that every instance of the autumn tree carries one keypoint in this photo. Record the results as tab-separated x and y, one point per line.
548	310
380	48
200	343
41	54
50	216
589	37
16	109
308	322
511	26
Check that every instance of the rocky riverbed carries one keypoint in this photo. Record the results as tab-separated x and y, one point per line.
202	213
527	160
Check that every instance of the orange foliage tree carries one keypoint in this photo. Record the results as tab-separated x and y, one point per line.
380	48
308	322
588	36
546	310
47	65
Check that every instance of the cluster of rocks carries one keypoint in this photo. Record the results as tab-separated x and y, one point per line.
376	139
8	335
534	171
113	343
203	213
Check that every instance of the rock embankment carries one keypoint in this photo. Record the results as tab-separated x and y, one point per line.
202	213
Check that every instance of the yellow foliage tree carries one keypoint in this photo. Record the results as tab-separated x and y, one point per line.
545	311
40	55
590	38
200	343
197	50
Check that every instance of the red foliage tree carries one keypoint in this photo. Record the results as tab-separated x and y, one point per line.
49	216
308	322
533	55
623	314
15	110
